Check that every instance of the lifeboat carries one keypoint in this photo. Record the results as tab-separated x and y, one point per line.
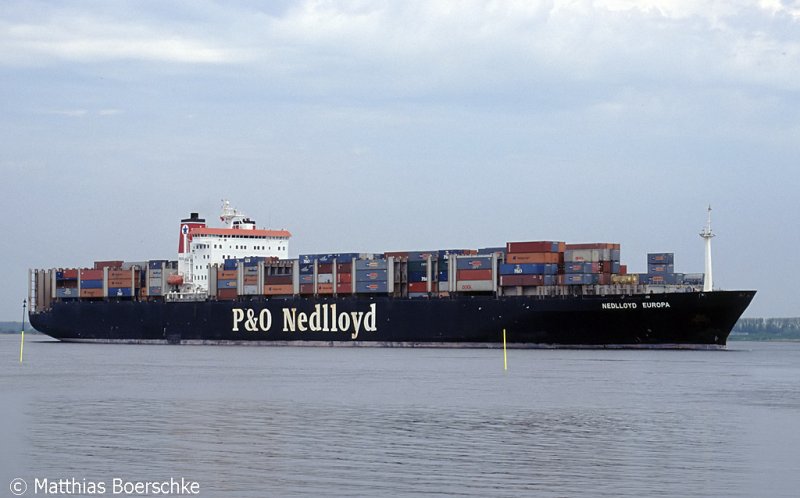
175	280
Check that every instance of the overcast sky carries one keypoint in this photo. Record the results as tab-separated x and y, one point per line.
373	126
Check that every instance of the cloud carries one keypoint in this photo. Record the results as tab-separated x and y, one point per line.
86	38
81	113
422	49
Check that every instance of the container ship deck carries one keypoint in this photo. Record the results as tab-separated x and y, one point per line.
236	285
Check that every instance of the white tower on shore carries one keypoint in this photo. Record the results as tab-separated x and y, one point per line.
707	234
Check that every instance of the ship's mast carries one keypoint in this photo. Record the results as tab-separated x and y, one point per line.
707	234
229	214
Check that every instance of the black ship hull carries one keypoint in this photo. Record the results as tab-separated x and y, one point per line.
670	320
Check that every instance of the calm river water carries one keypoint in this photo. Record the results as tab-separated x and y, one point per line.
260	421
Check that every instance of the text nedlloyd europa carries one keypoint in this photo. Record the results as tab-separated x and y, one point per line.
324	318
633	306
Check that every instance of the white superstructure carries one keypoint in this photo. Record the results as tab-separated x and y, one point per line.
201	247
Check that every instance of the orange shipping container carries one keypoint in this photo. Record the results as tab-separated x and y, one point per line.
534	257
324	288
272	290
91	293
119	282
250	279
344	278
226	274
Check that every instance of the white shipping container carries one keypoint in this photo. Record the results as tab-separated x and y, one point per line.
474	285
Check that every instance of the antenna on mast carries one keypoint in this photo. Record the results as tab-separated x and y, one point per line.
707	234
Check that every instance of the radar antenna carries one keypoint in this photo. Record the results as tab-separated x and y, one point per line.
707	234
229	214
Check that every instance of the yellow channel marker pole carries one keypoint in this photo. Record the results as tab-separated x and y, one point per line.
505	357
22	339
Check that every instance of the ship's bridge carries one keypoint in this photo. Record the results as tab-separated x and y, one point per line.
240	239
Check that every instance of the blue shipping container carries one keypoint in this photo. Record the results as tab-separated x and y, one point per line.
660	258
67	293
226	284
528	269
306	279
492	250
417	276
91	284
154	291
654	269
581	279
120	292
474	263
417	266
369	287
370	275
371	264
422	255
444	276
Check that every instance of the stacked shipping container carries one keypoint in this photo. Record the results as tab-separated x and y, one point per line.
518	269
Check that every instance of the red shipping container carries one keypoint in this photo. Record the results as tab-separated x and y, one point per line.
71	274
397	254
344	288
99	265
535	257
91	274
344	278
306	288
325	268
537	246
344	268
250	279
623	269
421	286
514	280
278	279
226	294
474	275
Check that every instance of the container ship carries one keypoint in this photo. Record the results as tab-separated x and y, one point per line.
237	285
